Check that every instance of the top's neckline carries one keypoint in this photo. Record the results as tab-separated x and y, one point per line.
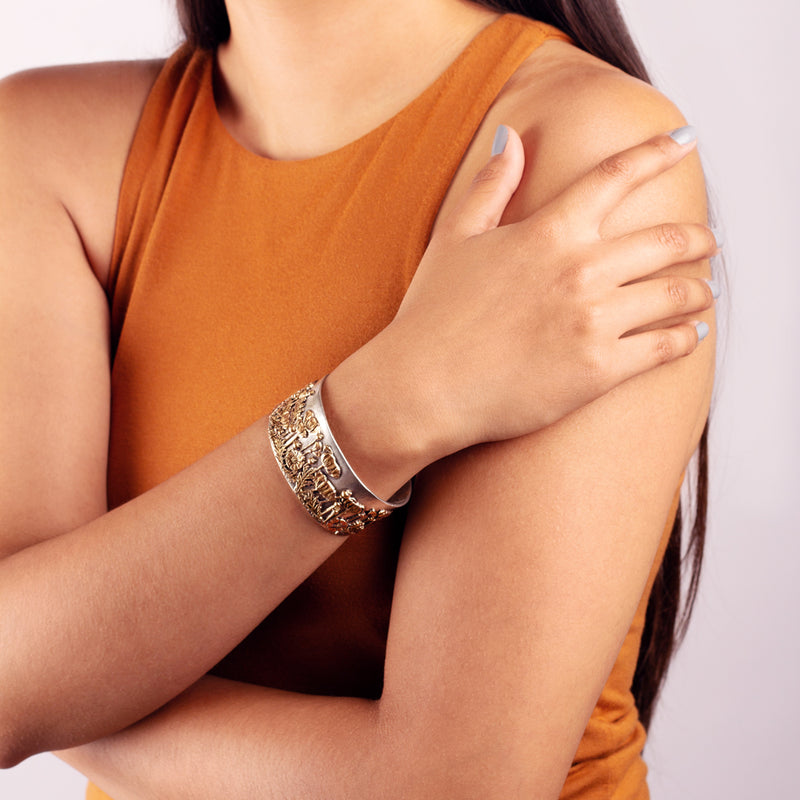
223	134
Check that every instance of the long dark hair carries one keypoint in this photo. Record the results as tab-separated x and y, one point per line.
596	26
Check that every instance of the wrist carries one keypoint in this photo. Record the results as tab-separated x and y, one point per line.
381	416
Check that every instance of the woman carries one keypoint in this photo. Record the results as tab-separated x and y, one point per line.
252	192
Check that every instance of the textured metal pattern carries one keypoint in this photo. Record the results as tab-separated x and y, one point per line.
316	469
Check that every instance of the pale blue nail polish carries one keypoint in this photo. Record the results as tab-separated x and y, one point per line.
719	236
684	135
702	330
715	288
500	140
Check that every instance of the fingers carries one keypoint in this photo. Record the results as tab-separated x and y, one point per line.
645	351
596	194
660	299
645	252
487	197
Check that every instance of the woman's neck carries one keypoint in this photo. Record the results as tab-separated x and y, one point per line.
299	78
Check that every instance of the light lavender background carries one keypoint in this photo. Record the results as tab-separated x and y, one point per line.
727	723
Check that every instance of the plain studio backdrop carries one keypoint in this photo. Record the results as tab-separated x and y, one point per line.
726	725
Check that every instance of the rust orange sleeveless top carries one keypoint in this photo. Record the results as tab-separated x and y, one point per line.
237	279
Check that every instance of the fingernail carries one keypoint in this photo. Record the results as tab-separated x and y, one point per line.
719	236
500	139
684	135
715	289
702	330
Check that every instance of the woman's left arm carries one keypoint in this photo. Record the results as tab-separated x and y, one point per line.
521	567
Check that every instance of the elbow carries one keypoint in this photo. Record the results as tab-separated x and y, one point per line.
12	749
10	758
17	737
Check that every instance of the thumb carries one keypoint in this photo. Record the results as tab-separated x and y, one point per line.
483	205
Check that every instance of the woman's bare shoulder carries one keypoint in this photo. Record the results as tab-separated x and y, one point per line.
572	110
67	130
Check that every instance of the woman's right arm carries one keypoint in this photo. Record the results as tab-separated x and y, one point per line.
105	616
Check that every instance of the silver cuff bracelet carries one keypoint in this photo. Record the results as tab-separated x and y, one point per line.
316	469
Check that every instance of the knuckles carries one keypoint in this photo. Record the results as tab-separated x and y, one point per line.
588	320
585	312
489	174
672	237
677	293
664	347
618	168
577	279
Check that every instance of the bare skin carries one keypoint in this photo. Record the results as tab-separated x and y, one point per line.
457	711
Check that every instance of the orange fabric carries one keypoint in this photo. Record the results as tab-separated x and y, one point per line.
236	279
93	793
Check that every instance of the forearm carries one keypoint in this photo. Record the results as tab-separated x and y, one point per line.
232	740
104	624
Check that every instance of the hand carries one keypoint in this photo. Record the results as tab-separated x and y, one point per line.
511	328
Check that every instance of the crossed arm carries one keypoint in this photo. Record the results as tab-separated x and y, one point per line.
521	567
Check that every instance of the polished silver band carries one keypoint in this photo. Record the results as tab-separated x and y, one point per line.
318	472
348	481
